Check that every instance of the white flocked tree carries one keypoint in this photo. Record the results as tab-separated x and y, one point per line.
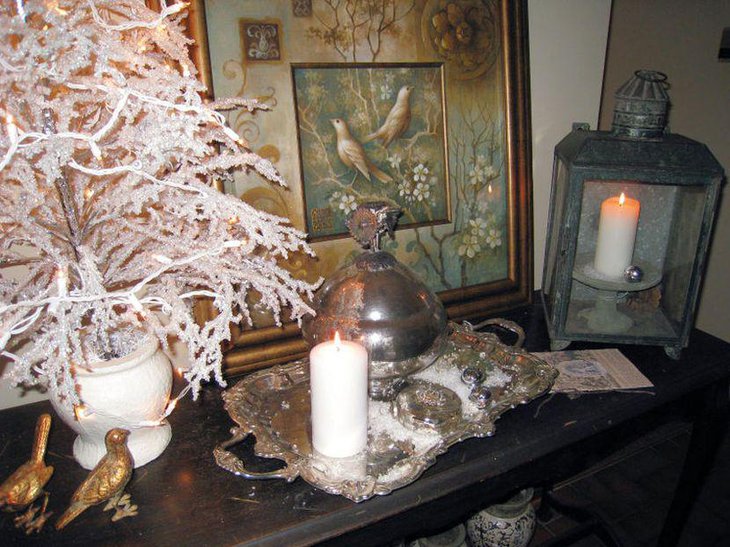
109	216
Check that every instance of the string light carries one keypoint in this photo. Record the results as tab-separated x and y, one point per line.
84	411
11	128
81	412
20	7
62	281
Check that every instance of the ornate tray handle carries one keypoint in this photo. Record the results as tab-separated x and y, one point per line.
506	324
230	462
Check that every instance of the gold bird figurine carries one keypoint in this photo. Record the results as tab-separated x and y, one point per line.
397	121
106	482
353	155
26	483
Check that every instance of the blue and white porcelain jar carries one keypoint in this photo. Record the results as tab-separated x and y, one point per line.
509	524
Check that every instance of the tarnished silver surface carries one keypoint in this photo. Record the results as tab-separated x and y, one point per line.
273	405
427	405
380	303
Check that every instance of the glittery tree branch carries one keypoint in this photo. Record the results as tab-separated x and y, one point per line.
109	217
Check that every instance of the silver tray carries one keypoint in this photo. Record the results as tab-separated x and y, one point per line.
405	435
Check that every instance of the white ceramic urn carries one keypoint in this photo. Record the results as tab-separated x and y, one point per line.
127	392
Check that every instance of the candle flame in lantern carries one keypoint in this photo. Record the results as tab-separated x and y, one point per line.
337	340
622	199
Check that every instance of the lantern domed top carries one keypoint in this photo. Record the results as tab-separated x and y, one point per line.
641	106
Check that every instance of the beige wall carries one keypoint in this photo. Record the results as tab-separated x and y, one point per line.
567	51
681	39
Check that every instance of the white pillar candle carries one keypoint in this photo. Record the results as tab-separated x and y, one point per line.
616	235
339	396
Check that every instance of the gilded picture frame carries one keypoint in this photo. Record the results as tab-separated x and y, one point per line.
485	266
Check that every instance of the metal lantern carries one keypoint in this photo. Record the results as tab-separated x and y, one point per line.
631	214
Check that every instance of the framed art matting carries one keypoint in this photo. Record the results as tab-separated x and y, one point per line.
433	92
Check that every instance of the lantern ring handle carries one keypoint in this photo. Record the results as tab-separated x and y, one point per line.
652	76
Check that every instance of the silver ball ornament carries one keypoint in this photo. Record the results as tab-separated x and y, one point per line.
480	396
472	376
633	274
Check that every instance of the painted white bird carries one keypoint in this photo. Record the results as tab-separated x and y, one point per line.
397	121
353	155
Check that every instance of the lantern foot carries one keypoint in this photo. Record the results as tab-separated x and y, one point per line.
673	352
558	345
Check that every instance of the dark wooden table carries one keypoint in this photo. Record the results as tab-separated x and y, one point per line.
185	499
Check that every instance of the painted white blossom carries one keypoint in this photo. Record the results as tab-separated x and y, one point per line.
472	237
108	165
420	173
405	190
348	203
494	238
385	92
343	201
478	227
481	171
469	245
394	161
422	192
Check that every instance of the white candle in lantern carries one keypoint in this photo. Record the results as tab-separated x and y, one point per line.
339	396
616	235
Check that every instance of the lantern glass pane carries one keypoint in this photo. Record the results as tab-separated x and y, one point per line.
634	259
552	262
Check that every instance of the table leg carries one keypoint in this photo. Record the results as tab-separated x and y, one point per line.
707	435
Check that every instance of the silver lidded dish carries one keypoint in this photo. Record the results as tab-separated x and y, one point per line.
380	303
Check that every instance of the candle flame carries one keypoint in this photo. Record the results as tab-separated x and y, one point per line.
337	340
622	199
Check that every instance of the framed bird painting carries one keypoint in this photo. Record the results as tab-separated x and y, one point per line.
383	140
422	104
